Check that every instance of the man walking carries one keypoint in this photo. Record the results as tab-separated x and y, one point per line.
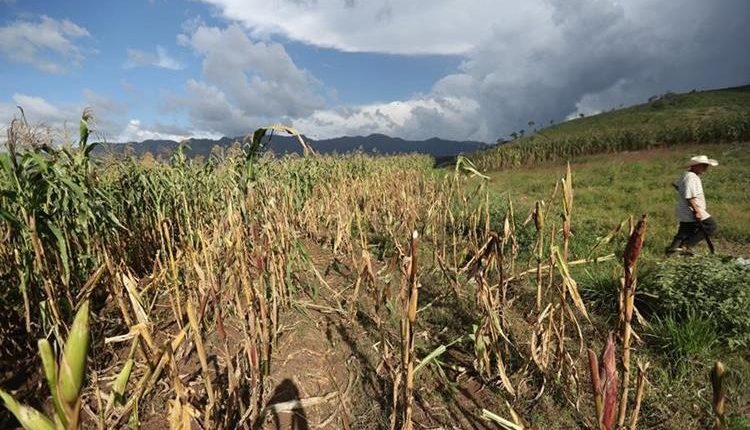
695	222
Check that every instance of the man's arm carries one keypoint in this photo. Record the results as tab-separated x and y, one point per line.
695	208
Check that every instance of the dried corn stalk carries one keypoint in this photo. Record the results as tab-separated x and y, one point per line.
409	296
627	305
717	383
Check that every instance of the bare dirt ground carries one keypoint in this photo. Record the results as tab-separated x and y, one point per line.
330	365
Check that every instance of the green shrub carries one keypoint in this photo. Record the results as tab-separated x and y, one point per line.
710	288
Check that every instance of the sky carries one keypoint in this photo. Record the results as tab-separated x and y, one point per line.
455	69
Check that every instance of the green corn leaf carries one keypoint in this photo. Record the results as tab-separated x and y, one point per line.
89	148
118	389
73	363
30	418
49	364
440	350
9	218
62	246
83	131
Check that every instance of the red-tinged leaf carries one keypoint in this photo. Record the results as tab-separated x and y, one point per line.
596	386
594	370
609	382
635	244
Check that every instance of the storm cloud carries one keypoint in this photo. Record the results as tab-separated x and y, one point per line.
538	60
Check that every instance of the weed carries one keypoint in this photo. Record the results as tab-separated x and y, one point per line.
683	340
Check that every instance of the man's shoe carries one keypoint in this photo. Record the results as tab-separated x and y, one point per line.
679	251
687	251
673	251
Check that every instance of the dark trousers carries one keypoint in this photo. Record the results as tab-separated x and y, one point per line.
690	234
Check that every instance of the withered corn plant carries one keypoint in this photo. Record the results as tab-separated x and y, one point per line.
567	186
627	307
409	299
489	336
538	216
640	392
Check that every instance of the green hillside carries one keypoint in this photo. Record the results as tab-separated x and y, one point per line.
716	116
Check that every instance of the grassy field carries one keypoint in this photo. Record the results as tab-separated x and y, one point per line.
610	187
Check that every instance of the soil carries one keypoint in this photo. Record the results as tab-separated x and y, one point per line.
324	351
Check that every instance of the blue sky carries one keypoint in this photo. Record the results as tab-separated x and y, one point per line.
462	70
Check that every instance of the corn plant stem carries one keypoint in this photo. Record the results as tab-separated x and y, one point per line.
539	257
596	387
626	340
150	378
195	328
719	395
640	391
407	331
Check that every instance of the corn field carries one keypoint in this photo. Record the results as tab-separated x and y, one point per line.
170	295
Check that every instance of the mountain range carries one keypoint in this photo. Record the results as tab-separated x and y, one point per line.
281	144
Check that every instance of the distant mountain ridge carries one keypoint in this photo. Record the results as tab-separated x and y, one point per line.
282	144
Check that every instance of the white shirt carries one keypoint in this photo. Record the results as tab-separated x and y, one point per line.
689	186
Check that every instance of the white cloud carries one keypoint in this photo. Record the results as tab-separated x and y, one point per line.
40	109
392	26
37	111
48	44
419	118
244	83
109	125
135	131
160	59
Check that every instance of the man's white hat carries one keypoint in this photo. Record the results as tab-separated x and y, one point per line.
702	159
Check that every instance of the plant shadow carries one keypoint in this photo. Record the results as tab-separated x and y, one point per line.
293	418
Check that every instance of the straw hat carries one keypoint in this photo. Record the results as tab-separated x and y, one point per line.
702	159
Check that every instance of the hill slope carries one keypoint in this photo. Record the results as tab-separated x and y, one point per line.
671	119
